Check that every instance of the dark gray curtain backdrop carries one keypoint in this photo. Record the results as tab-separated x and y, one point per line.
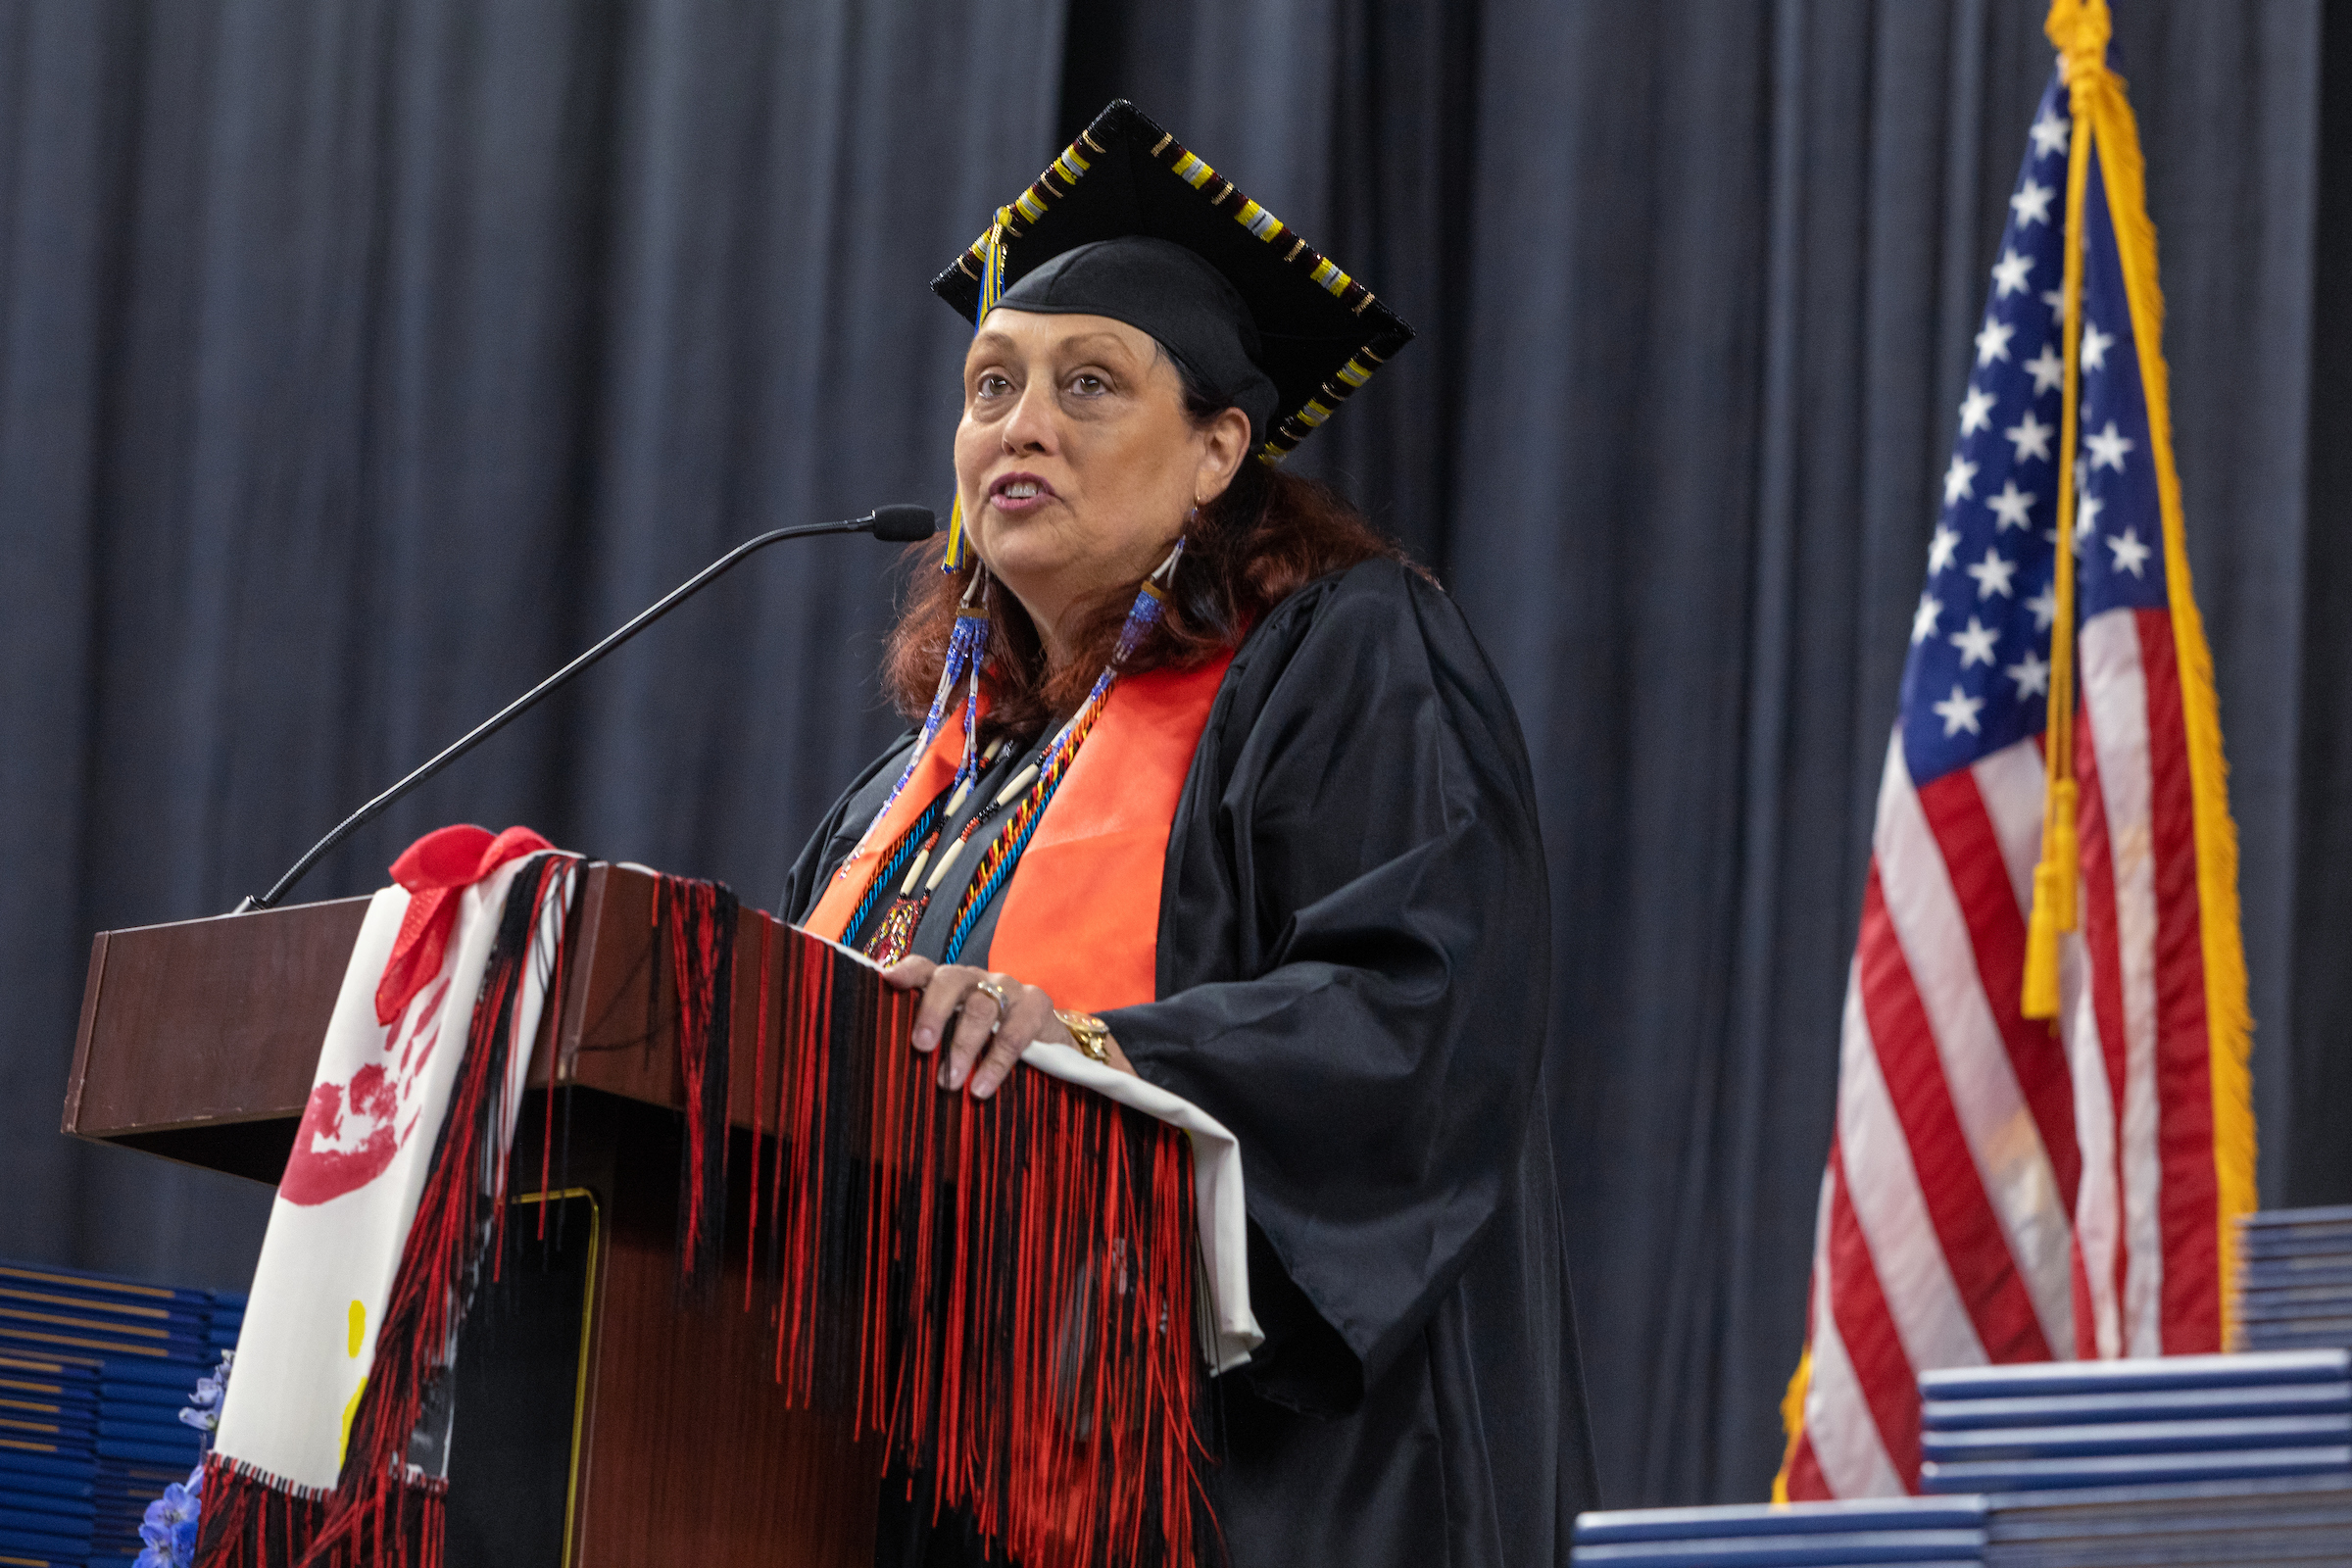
360	361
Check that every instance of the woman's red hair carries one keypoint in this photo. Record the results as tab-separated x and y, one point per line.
1270	534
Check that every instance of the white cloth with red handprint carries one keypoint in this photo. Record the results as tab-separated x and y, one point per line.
360	1161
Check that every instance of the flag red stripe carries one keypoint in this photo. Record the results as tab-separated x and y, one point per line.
1955	811
2100	947
1867	1328
2086	1327
2192	1320
1806	1484
1948	1180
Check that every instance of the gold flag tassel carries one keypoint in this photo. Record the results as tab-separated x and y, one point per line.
2079	30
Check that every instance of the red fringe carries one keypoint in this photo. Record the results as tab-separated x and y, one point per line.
700	918
750	1260
252	1520
1002	1289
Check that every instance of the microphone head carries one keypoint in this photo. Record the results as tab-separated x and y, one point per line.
904	524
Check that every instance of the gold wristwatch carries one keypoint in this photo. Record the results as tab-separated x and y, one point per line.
1090	1034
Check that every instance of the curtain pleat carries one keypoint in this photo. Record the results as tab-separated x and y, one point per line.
359	361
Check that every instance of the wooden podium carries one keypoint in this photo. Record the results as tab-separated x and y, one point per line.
606	1420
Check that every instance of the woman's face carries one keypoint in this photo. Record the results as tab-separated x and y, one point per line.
1075	462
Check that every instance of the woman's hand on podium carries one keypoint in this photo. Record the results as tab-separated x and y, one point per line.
986	1019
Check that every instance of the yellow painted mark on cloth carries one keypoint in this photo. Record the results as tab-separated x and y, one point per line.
355	1336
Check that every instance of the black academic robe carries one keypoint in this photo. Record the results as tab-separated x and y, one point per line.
1354	972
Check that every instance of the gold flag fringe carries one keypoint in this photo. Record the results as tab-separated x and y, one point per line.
2075	24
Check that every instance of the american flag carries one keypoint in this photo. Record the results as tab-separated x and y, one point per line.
1999	1191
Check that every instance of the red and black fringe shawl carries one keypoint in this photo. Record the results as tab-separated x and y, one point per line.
380	1513
1002	1289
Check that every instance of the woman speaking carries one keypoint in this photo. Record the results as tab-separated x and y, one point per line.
1212	784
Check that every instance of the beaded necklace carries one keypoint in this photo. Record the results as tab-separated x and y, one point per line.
1028	793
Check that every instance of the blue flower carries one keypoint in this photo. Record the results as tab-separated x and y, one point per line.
170	1527
203	1410
177	1502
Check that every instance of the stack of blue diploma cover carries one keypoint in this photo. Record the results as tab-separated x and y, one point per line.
2294	1279
2194	1460
2177	1420
2305	1521
93	1374
2302	1521
1921	1532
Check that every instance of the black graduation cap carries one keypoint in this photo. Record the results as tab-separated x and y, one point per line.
1320	335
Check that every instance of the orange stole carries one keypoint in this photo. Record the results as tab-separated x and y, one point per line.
831	916
1081	914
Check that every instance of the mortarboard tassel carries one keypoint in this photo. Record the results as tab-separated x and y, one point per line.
953	560
992	289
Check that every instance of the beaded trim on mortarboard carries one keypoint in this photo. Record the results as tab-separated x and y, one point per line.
1323	332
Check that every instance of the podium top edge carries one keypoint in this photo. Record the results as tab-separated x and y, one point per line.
225	914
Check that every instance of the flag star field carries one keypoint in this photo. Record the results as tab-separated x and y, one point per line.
1976	677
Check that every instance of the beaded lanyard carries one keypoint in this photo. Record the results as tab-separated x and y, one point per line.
1039	780
967	653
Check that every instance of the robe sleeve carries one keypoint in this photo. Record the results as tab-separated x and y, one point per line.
1354	961
836	835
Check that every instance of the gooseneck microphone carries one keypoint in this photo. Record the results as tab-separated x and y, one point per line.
903	524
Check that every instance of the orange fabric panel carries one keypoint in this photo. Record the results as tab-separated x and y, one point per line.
1081	914
831	916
